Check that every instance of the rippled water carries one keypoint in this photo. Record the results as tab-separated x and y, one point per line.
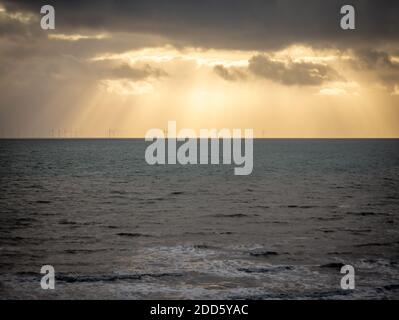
114	227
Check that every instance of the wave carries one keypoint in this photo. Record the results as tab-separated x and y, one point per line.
177	192
391	287
69	278
266	269
263	254
132	235
294	295
333	265
234	215
376	244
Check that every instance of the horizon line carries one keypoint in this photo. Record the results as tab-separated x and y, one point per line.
143	138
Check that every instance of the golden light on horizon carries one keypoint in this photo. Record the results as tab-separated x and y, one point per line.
296	91
196	97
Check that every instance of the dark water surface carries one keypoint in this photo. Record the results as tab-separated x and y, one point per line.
114	227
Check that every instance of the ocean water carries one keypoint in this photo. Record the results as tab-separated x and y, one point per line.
114	227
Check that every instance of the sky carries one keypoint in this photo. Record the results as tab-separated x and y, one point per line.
283	68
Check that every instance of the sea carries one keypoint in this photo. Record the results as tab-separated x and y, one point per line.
114	227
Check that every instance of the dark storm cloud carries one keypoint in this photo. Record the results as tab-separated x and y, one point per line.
291	73
253	24
230	74
63	68
380	63
374	59
125	71
9	28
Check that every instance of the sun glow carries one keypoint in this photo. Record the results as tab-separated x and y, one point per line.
195	96
166	54
76	37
